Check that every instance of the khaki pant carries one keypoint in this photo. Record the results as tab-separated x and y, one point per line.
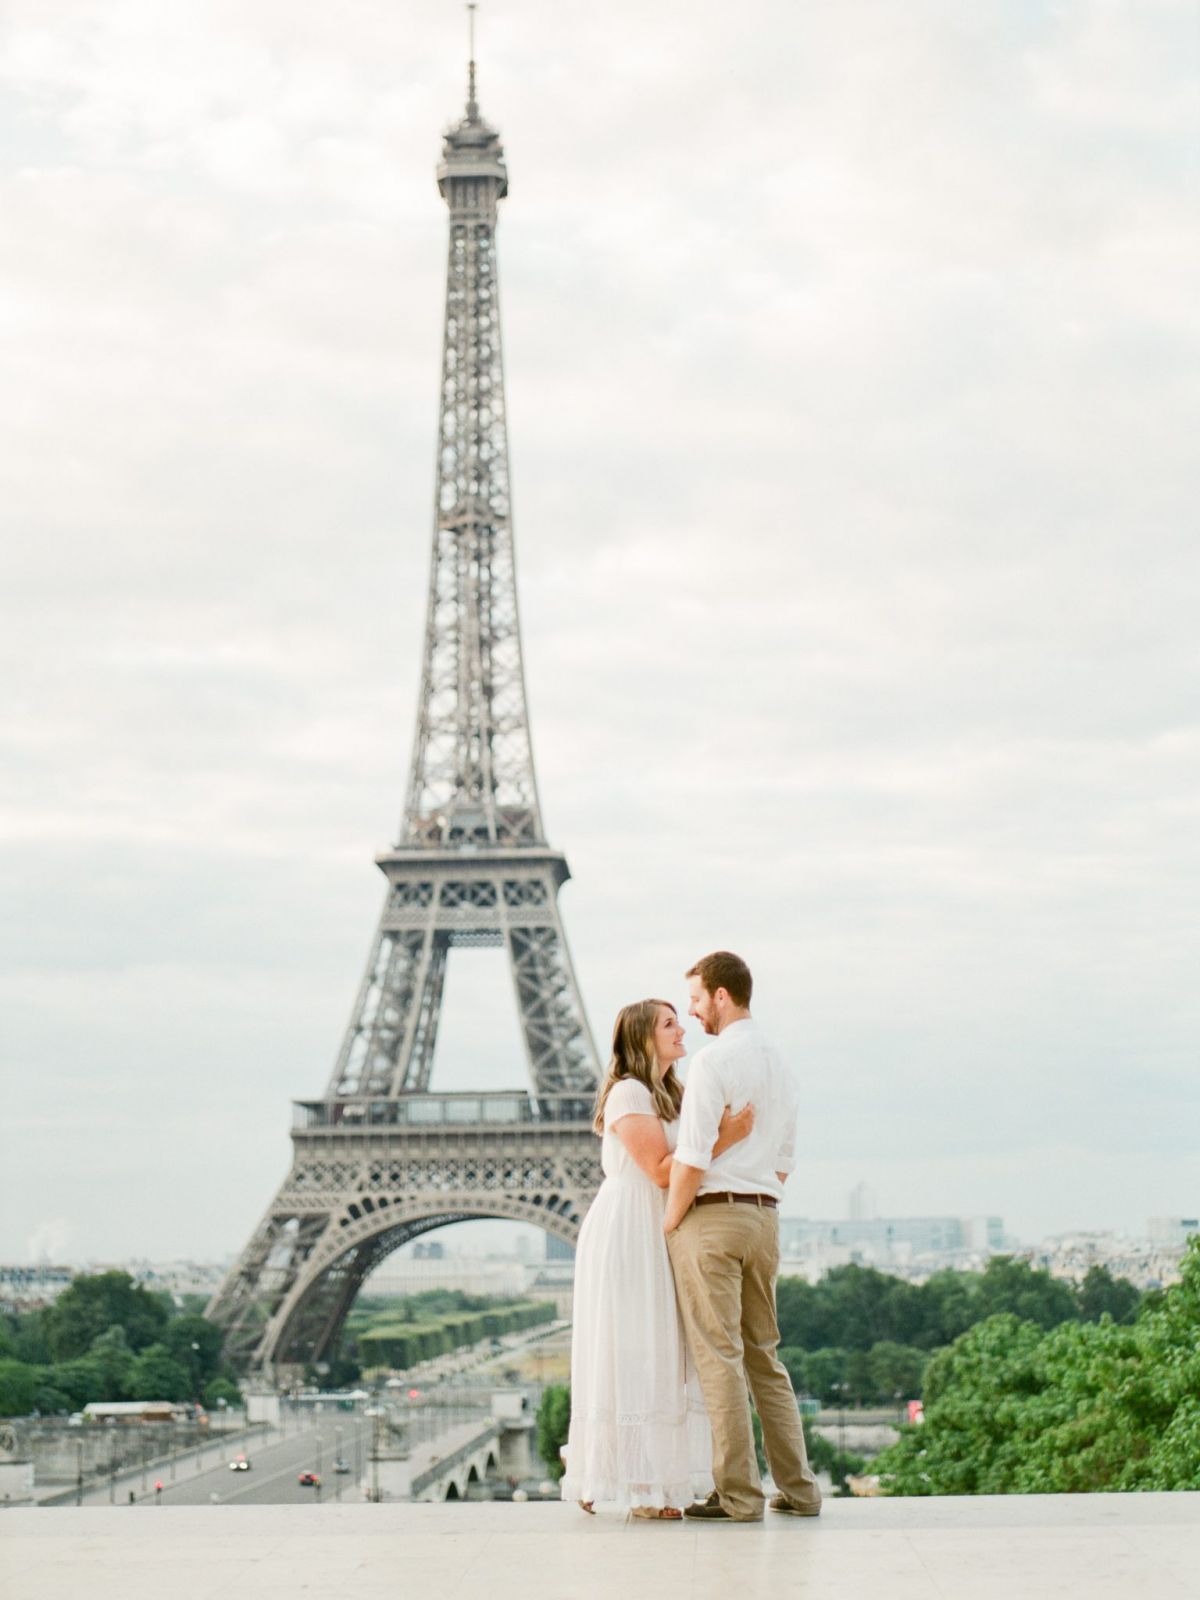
725	1259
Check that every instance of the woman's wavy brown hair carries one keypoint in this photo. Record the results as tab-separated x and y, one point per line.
634	1056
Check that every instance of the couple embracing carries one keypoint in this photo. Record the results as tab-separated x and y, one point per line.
674	1315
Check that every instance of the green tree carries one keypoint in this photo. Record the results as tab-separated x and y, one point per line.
155	1375
803	1319
197	1346
80	1381
972	1390
824	1456
824	1369
858	1376
222	1389
48	1398
92	1304
113	1359
796	1362
948	1307
1012	1286
896	1370
31	1337
858	1305
553	1425
19	1385
1083	1406
1100	1294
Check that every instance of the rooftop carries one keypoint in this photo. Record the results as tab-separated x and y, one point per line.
997	1548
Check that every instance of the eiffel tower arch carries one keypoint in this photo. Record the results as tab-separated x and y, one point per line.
380	1158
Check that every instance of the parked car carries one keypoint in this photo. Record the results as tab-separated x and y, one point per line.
309	1480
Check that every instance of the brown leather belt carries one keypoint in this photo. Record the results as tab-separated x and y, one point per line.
727	1197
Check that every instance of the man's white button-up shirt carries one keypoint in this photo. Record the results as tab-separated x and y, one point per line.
739	1066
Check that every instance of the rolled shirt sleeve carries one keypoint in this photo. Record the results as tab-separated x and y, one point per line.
700	1119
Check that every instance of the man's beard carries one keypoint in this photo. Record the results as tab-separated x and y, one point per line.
709	1019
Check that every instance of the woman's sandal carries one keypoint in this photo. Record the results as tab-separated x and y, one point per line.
586	1505
658	1513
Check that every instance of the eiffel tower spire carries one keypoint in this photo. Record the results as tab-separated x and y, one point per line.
472	769
380	1158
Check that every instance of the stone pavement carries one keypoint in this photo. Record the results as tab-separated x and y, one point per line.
1000	1548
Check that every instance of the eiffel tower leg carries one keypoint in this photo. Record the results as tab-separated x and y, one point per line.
269	1267
390	1043
315	1329
557	1038
416	1063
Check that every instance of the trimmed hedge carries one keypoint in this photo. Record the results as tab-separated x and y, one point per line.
404	1343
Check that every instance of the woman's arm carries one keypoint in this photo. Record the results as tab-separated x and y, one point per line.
734	1127
642	1135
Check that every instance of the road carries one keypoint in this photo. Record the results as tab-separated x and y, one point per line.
275	1468
310	1444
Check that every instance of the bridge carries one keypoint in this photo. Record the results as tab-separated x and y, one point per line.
456	1458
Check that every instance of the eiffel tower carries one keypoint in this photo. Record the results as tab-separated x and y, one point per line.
381	1159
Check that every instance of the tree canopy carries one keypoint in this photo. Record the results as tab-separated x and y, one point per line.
1013	1407
553	1426
108	1338
92	1304
861	1335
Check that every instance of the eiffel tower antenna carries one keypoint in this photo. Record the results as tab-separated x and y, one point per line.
382	1158
472	107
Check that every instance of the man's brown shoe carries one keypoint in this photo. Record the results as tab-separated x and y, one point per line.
780	1502
711	1509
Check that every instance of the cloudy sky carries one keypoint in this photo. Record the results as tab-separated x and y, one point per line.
851	355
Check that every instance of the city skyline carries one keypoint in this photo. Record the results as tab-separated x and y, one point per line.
852	474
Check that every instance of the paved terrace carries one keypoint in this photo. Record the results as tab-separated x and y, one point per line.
999	1548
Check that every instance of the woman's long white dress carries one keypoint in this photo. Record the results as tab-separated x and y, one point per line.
639	1433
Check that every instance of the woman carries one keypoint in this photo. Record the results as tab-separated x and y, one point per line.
639	1434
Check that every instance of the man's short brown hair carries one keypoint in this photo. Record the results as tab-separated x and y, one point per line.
724	970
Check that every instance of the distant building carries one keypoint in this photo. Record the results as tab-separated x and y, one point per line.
891	1242
558	1249
27	1285
1173	1231
131	1411
403	1275
1147	1263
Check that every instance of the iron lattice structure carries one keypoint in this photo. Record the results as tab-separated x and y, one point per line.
381	1159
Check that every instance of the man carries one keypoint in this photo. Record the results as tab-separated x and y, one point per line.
722	1228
